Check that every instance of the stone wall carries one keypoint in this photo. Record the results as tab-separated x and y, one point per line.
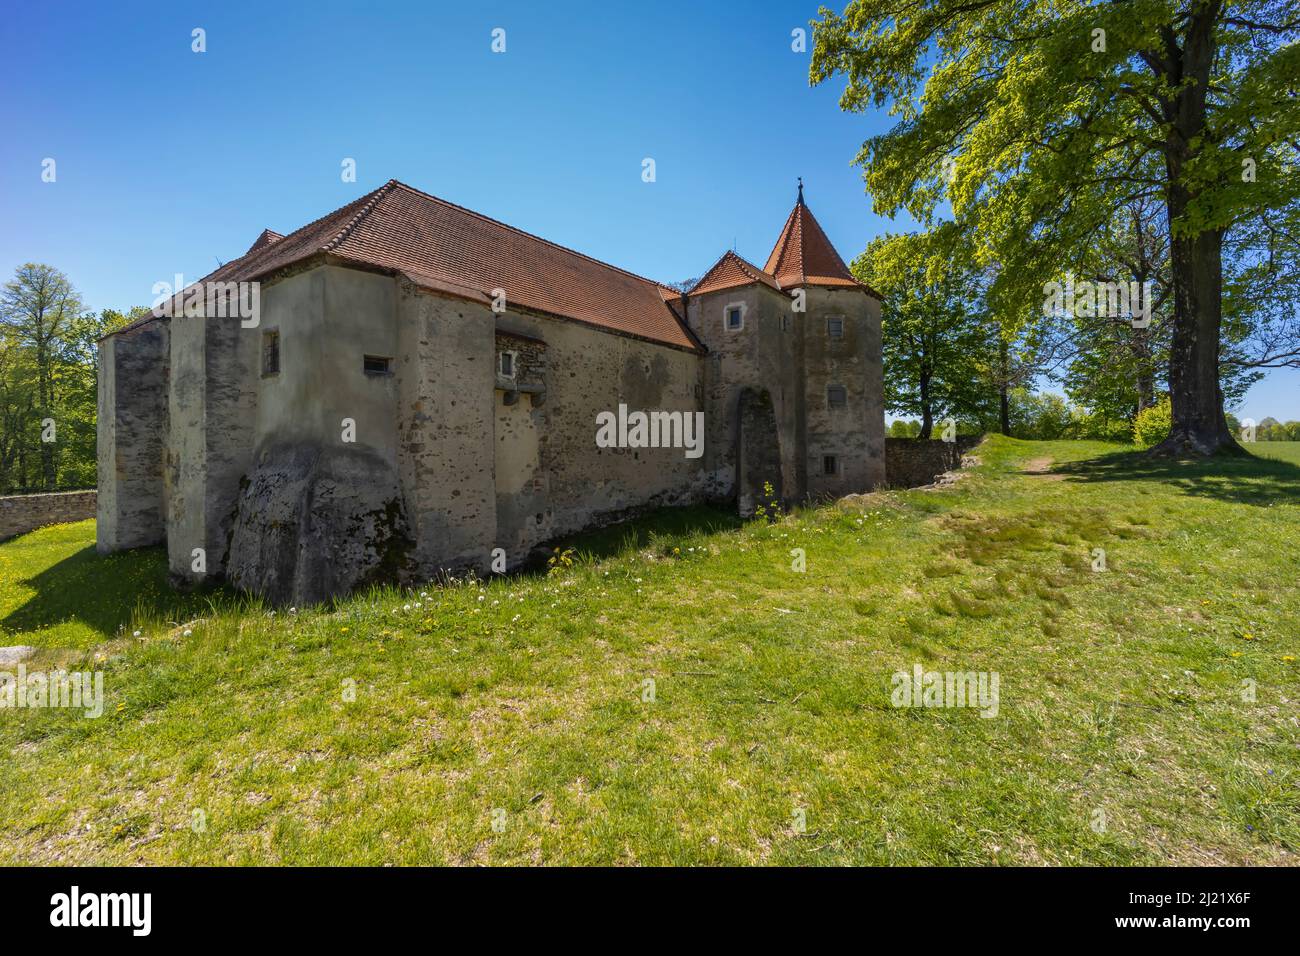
132	437
853	434
765	354
319	510
551	479
792	357
911	462
22	513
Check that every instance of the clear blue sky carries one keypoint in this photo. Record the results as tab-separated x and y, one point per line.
168	160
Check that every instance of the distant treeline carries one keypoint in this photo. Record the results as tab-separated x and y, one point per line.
1050	417
48	381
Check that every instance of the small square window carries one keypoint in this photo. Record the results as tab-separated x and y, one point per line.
836	396
271	352
506	364
735	318
830	465
377	365
835	327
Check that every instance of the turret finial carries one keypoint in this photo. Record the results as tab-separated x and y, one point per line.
801	190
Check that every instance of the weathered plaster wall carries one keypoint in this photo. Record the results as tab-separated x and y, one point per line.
132	434
518	432
22	513
490	463
855	433
446	457
796	364
321	509
212	406
759	455
186	465
574	484
761	355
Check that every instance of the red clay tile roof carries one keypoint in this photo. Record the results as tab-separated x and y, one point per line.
453	250
450	249
804	256
265	239
730	271
447	248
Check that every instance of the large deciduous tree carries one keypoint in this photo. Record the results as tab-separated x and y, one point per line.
1039	120
39	306
938	341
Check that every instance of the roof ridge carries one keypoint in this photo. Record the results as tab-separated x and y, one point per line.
255	254
528	235
748	268
360	214
831	246
798	246
751	269
708	272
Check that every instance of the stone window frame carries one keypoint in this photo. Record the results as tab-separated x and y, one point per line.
831	334
830	464
726	316
785	322
513	374
271	363
368	360
830	402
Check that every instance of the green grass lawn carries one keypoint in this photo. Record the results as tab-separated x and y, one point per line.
1147	714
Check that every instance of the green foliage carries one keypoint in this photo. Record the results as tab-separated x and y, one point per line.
1037	122
48	371
769	506
937	339
1096	426
1041	416
1270	429
560	560
1151	426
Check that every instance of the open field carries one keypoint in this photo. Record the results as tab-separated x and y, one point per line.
1149	713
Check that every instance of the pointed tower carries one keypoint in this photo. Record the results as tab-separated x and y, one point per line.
792	384
838	332
803	256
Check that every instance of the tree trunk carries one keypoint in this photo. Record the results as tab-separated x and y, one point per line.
1196	264
1004	399
927	414
1144	382
1199	427
47	449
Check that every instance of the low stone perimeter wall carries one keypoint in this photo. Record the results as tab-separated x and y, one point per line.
22	513
910	462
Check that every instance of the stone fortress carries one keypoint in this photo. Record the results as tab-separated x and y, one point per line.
420	387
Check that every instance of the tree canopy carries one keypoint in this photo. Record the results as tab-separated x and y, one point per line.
1039	121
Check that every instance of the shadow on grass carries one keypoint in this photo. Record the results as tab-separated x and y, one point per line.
105	593
1246	480
637	533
